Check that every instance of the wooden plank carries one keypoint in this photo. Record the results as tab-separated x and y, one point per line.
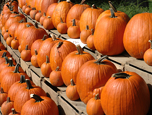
36	70
9	49
3	41
78	105
24	65
144	74
16	55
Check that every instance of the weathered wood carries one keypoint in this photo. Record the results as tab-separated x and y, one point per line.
25	65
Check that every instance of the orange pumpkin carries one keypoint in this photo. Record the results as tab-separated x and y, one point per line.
3	96
34	59
38	16
26	54
85	34
50	9
42	18
14	112
147	55
90	41
33	13
62	27
47	23
15	43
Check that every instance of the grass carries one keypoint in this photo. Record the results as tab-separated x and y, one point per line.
130	8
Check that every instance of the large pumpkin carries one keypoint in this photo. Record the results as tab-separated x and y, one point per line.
92	76
137	33
108	35
72	64
92	15
40	105
50	9
75	13
125	93
61	10
59	51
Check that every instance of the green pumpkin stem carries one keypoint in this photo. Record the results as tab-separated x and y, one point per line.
112	13
22	79
6	30
8	100
35	51
94	6
36	25
59	44
6	60
92	31
121	75
82	2
33	8
4	54
61	20
26	48
2	91
36	97
29	85
80	51
73	22
21	21
87	27
13	111
150	44
47	59
17	68
39	11
44	14
97	97
99	61
57	68
112	6
27	25
72	82
10	62
44	37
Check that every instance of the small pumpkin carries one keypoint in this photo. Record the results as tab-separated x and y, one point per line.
13	112
50	9
27	10
9	40
15	43
62	27
42	18
34	59
47	23
74	30
3	96
6	35
94	106
33	13
85	34
147	55
40	105
38	16
56	78
71	91
46	68
90	41
26	54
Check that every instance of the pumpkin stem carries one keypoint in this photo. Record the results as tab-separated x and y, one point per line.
21	21
4	54
53	37
112	13
36	97
112	6
59	44
36	25
61	20
92	31
29	85
68	1
94	6
8	100
35	51
26	48
57	68
150	44
87	27
17	68
49	17
59	1
47	59
44	37
13	111
73	22
33	8
39	11
82	2
27	25
10	62
6	30
80	51
121	75
6	60
44	14
97	97
99	61
72	82
22	79
2	91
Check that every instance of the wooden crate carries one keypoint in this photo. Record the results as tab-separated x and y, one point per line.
25	65
16	55
141	68
3	41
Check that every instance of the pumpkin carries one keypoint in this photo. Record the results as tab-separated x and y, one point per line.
106	41
85	34
75	13
38	4
45	4
3	30
59	51
9	39
117	13
11	77
2	54
24	7
72	64
98	72
26	54
94	106
40	105
147	55
6	35
62	27
2	57
74	30
34	59
71	91
33	13
7	106
27	10
2	47
14	112
42	18
19	48
46	68
47	23
36	44
50	9
61	10
90	41
21	3
92	15
56	78
15	43
136	25
3	96
130	91
31	34
23	95
45	49
5	17
38	16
